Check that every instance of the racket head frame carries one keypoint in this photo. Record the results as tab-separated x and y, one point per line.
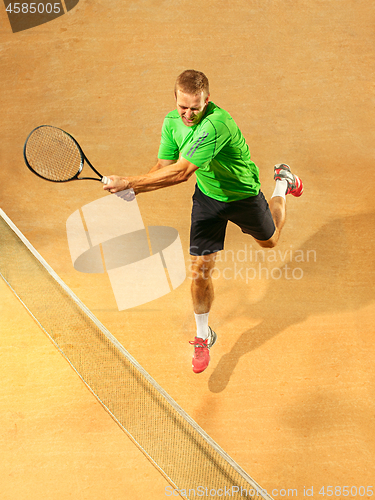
82	161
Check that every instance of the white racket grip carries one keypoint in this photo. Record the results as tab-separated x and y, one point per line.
105	180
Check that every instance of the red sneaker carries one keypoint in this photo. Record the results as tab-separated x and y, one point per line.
202	348
295	186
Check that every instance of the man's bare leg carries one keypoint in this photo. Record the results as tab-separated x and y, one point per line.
286	183
202	292
278	211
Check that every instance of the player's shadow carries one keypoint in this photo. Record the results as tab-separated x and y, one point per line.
341	278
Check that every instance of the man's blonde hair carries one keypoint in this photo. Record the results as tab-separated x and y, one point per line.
192	82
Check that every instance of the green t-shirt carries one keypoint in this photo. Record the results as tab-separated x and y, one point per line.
217	147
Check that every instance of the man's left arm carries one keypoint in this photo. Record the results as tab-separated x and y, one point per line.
169	175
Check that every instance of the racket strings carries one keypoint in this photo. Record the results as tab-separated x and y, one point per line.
53	154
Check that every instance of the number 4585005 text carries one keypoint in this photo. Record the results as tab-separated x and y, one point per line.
34	8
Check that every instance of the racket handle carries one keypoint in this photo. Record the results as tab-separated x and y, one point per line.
105	180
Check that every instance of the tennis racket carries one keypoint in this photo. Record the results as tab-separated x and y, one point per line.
56	156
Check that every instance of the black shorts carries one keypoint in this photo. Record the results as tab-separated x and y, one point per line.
209	219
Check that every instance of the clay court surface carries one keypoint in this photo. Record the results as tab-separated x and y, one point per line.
289	393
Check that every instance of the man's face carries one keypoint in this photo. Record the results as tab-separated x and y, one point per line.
190	107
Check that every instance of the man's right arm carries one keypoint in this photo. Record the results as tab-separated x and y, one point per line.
173	173
161	164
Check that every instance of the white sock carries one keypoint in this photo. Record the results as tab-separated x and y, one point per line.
202	325
280	188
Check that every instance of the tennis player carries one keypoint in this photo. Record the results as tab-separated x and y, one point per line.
200	137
